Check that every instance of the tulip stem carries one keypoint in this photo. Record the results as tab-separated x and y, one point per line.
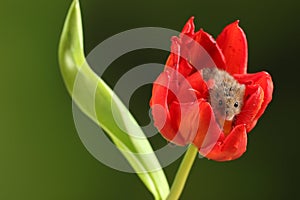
183	173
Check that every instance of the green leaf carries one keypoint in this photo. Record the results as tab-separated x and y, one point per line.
73	65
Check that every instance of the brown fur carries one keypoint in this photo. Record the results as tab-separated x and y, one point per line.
226	94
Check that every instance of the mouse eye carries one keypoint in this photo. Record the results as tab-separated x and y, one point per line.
236	104
220	102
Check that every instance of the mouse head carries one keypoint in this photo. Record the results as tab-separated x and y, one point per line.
233	99
226	99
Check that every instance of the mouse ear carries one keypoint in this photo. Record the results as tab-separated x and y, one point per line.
210	83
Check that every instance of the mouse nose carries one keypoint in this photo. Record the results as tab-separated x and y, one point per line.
227	112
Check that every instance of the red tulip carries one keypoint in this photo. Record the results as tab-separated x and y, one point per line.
181	102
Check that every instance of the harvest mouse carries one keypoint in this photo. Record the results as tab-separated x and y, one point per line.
226	94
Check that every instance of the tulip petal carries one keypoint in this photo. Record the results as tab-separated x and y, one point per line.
193	87
174	57
233	43
252	104
213	56
200	49
178	58
264	80
232	147
208	130
204	132
159	106
184	114
189	27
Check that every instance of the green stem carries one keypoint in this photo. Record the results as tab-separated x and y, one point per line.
182	173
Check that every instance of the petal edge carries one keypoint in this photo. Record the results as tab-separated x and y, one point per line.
233	43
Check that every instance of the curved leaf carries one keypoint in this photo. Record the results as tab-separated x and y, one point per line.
72	62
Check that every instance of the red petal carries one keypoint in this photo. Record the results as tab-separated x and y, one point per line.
199	49
232	147
160	91
186	116
173	59
263	79
252	104
196	123
208	130
189	27
213	55
233	43
178	58
193	87
159	106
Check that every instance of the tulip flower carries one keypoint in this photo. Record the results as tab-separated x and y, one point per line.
182	98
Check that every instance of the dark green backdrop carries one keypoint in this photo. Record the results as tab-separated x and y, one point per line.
41	156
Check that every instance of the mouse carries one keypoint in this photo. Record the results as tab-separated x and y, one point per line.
226	95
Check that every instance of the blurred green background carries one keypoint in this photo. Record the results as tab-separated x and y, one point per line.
41	155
